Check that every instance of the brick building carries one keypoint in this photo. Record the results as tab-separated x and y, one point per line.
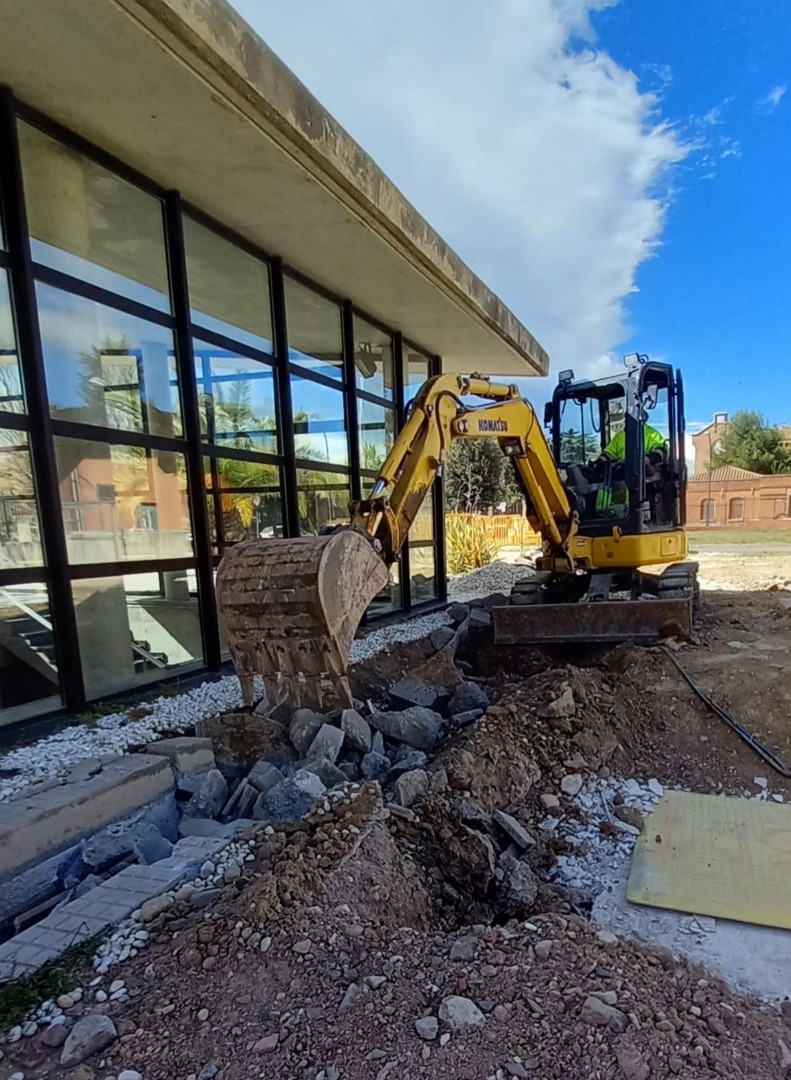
731	497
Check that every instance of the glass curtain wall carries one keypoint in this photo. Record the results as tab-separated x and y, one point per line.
166	391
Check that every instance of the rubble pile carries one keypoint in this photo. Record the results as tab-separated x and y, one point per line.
402	896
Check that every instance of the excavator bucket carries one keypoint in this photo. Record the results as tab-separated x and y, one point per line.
290	610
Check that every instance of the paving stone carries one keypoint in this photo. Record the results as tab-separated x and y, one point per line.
410	691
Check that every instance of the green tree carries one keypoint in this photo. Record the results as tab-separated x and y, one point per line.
751	443
475	476
575	449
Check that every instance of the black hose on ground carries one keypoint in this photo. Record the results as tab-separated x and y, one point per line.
749	737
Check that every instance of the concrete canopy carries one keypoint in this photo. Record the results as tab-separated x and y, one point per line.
186	93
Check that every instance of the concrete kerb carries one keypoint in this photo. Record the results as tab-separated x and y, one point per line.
103	907
34	827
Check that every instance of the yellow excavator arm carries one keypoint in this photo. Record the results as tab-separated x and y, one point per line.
438	417
291	607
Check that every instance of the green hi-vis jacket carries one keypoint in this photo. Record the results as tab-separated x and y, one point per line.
652	440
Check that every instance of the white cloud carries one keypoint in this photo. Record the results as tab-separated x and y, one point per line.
772	99
528	147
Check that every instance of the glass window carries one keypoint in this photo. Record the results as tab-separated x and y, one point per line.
423	525
105	367
237	399
373	359
244	500
20	534
416	371
376	430
136	629
29	671
229	289
319	418
122	502
323	500
389	599
314	330
88	222
422	571
11	397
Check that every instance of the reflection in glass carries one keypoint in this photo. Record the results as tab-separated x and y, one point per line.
422	572
20	534
314	330
389	599
11	396
105	367
376	432
319	422
88	222
229	289
237	399
423	525
416	371
373	359
122	502
136	628
323	499
244	500
28	664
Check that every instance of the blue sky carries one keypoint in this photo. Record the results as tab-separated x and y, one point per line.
616	170
715	299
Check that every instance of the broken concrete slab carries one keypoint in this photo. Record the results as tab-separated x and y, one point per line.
150	846
467	697
241	739
329	774
411	691
406	760
326	744
187	754
419	727
374	766
410	787
210	797
241	803
33	827
263	776
357	731
292	799
513	829
303	728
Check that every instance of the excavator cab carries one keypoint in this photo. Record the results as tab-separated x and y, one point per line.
619	445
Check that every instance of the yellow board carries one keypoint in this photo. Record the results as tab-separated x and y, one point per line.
709	855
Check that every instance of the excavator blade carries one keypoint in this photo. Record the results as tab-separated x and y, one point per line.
609	621
290	610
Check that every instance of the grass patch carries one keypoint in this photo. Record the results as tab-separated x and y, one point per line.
699	538
55	978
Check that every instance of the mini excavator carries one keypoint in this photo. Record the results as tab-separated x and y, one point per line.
609	514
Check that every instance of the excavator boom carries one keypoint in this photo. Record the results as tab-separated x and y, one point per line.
291	606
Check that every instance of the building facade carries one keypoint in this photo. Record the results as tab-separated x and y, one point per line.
214	311
739	499
708	441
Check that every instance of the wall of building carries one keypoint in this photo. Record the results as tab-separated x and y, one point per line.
762	502
166	390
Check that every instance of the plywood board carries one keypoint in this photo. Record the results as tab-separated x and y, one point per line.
709	855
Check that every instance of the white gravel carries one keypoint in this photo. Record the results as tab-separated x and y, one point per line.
51	757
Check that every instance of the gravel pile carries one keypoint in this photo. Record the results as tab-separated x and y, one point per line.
497	577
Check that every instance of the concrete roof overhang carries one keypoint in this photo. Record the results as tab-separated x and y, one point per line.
186	93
